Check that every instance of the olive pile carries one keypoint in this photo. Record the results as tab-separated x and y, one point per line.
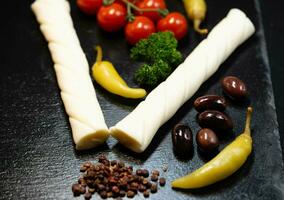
211	119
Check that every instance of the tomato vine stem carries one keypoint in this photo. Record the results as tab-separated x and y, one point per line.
162	12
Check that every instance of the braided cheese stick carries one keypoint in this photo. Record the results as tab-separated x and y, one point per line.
138	128
72	70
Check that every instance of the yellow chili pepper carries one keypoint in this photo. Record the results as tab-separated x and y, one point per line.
196	10
106	75
223	165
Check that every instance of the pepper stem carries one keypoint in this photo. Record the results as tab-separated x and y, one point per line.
248	120
196	26
99	50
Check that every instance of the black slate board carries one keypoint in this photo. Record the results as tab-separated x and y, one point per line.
38	160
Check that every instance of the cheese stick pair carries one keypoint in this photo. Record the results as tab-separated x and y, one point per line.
72	70
137	129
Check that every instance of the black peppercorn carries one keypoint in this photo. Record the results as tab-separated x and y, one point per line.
88	195
77	189
103	194
146	193
162	181
154	188
155	172
130	194
154	178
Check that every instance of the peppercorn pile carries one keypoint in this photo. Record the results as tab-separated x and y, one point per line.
115	179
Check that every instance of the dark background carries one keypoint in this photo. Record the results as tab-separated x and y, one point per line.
273	16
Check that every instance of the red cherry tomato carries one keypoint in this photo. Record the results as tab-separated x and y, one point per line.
174	22
112	17
138	29
89	7
151	4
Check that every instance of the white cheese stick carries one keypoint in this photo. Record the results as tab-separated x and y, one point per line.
72	70
138	128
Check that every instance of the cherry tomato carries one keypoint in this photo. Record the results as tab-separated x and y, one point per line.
112	17
138	29
151	4
89	7
174	22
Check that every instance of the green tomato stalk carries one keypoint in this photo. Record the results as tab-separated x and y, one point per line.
130	5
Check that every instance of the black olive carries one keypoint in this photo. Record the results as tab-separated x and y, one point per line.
210	102
215	120
182	140
207	140
234	87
